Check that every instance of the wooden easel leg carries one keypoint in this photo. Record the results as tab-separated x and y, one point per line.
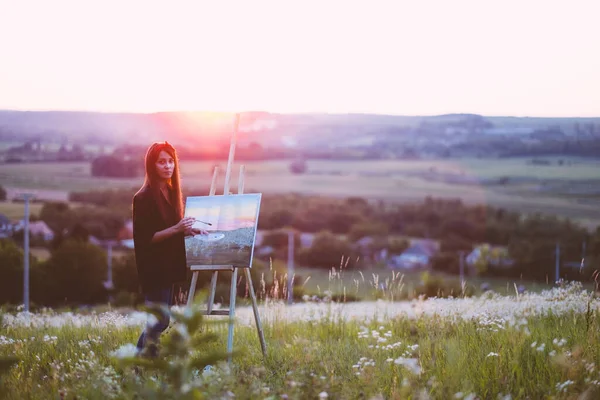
232	297
261	335
192	289
211	294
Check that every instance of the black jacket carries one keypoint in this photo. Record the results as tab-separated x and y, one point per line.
161	264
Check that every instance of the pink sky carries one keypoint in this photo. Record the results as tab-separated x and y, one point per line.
533	57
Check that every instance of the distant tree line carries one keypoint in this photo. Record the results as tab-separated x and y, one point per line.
77	268
531	239
116	167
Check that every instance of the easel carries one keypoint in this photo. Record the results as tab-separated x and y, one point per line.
234	270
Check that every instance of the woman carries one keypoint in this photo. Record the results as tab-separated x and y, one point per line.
158	234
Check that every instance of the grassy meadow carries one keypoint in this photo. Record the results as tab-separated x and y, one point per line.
534	346
566	190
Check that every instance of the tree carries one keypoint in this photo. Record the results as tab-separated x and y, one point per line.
455	244
125	276
363	229
298	167
116	167
2	194
11	273
78	270
279	239
326	251
446	262
58	216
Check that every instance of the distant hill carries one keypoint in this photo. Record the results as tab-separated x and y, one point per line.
318	132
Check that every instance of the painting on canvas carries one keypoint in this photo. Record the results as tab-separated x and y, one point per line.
231	223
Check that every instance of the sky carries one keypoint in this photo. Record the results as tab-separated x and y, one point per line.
223	212
418	57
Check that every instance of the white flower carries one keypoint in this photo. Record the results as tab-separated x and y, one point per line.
412	364
458	395
541	347
185	388
126	351
323	395
492	354
471	396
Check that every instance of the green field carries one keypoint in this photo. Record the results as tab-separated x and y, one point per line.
536	346
569	190
16	211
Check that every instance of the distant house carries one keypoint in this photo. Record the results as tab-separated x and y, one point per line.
496	256
417	256
6	227
127	243
265	251
370	250
39	229
306	239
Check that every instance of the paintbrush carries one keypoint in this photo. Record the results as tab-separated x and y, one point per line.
203	222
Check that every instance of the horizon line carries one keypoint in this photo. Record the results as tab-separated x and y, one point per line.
382	114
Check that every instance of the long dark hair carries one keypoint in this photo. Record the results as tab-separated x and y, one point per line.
174	183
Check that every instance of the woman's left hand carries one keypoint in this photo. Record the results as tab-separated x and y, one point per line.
195	231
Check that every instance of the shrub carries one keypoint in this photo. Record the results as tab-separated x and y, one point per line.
78	270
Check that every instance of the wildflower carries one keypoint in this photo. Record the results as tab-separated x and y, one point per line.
471	396
563	387
185	388
559	343
492	354
412	364
541	347
126	351
458	395
323	395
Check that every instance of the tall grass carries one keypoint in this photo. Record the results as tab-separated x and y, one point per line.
545	348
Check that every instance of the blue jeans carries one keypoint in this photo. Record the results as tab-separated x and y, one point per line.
163	296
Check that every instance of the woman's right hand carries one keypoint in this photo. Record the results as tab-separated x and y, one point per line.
184	225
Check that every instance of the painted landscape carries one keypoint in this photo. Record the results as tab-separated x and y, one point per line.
230	240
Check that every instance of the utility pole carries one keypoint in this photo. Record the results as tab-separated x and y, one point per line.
108	285
461	255
26	197
582	266
109	259
557	264
290	266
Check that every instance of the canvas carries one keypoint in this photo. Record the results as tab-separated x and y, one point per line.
231	223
